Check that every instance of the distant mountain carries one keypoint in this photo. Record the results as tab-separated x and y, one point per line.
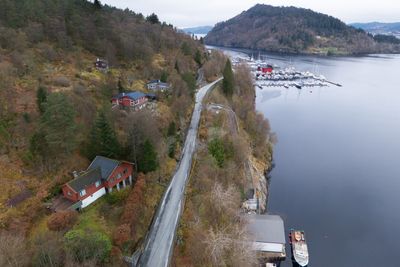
198	30
379	27
294	30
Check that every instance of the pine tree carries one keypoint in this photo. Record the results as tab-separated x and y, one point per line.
41	98
197	58
228	82
103	140
148	159
164	77
97	4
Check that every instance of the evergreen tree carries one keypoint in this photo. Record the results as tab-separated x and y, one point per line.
171	129
177	66
164	77
97	4
120	86
58	125
228	82
148	159
197	58
103	140
153	18
41	97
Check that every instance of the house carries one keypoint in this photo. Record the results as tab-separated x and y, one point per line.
135	100
101	177
101	64
268	237
157	85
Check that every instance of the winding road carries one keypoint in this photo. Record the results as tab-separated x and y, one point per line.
159	243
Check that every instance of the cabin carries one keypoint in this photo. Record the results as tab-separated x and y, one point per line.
267	233
135	100
158	86
101	177
101	64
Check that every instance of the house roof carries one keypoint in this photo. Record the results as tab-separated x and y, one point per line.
132	95
266	228
105	165
154	81
89	177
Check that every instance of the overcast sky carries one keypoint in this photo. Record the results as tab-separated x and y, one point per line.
188	13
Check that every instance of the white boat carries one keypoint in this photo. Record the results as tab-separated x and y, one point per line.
298	243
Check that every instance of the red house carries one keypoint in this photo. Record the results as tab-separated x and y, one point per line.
265	69
136	100
101	177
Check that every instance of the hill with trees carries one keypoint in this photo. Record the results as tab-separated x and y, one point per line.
294	30
56	115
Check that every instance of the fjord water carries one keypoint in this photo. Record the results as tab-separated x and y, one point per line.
337	160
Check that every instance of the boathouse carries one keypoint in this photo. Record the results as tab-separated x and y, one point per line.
267	233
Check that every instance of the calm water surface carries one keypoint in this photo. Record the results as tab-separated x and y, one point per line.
337	173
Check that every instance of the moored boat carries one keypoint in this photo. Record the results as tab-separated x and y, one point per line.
298	243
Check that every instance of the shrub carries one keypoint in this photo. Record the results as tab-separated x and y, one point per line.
63	220
217	150
85	245
61	81
122	234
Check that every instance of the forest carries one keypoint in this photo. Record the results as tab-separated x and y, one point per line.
56	116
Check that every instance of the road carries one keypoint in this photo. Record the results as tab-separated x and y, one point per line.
159	243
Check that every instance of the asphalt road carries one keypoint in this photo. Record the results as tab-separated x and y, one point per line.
159	243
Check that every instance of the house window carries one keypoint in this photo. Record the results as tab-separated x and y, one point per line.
97	184
119	175
125	171
69	193
82	192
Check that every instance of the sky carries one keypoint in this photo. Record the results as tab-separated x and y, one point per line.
189	13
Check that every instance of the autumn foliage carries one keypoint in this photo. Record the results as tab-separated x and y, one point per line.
63	220
132	209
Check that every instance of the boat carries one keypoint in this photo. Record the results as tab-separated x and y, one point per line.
298	86
298	243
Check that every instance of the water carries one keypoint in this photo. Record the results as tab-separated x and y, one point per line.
337	173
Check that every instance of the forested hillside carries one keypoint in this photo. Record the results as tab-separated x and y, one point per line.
293	30
56	115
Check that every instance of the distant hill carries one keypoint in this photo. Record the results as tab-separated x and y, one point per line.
198	30
294	30
380	28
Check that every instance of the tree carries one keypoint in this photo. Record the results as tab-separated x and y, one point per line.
58	125
41	98
153	18
121	88
97	4
103	140
164	77
148	158
228	82
190	80
217	150
197	58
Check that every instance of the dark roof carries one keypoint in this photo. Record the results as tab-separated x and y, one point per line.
105	164
89	177
132	95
